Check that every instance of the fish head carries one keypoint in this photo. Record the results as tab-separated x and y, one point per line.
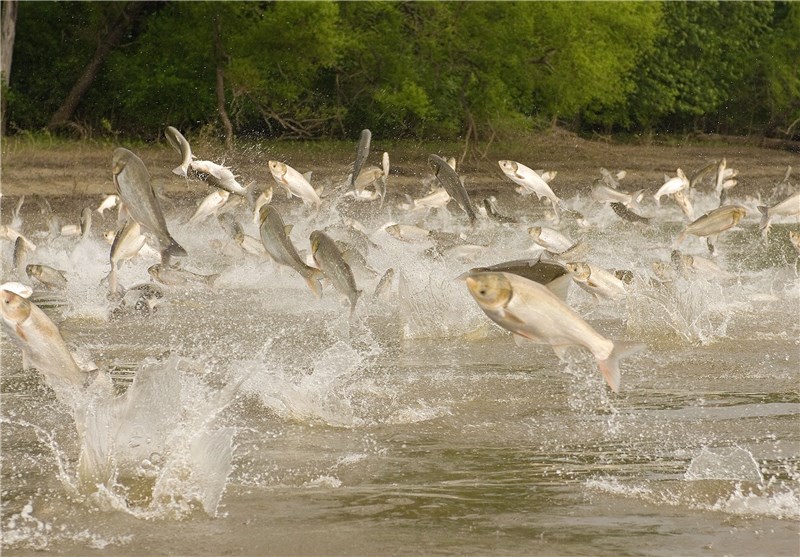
33	270
263	213
315	239
579	271
535	232
508	167
492	291
119	160
738	213
277	168
14	308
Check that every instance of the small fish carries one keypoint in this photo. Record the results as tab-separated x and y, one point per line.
686	264
531	311
230	225
16	219
700	173
263	199
212	203
176	139
11	234
218	176
381	184
678	183
531	182
51	278
136	192
407	232
20	254
794	238
179	277
295	184
41	343
70	230
603	194
682	200
713	222
789	207
550	239
720	176
109	202
596	281
128	241
627	214
275	237
451	182
385	284
611	180
368	177
362	153
437	198
333	266
86	221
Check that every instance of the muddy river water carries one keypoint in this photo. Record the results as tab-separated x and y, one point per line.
269	422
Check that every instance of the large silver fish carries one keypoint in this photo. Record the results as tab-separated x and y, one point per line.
40	341
275	237
531	182
180	277
50	277
362	152
176	139
452	184
128	241
789	207
596	281
136	192
329	259
713	222
551	274
531	311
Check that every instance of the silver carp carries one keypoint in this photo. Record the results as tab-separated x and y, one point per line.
179	143
713	222
50	277
452	184
329	259
136	192
362	153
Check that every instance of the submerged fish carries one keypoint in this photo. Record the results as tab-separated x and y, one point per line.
531	182
626	214
451	182
179	277
51	278
362	153
41	342
531	311
329	259
295	184
275	237
176	139
136	192
596	281
713	222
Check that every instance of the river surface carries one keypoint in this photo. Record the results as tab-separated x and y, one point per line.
270	422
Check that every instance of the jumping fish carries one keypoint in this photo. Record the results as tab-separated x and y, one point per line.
41	342
550	239
385	284
381	184
713	222
723	164
51	278
109	202
362	153
451	182
789	207
275	237
531	183
369	177
596	281
671	185
218	176
531	311
551	274
263	199
136	192
212	203
176	139
407	232
330	261
437	198
700	173
19	256
627	214
128	241
86	221
12	234
603	194
16	219
295	184
490	205
682	200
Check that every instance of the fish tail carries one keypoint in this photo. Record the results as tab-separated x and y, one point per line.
173	249
180	171
610	366
354	301
764	217
314	282
636	198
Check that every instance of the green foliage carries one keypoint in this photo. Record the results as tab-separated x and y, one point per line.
443	70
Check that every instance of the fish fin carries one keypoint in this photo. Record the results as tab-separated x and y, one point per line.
560	350
524	340
610	366
511	317
288	228
180	171
636	198
765	218
172	250
307	176
21	334
314	282
560	286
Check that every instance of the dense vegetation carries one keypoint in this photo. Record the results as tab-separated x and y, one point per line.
448	70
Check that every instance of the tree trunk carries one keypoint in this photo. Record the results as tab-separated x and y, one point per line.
7	32
219	55
64	113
